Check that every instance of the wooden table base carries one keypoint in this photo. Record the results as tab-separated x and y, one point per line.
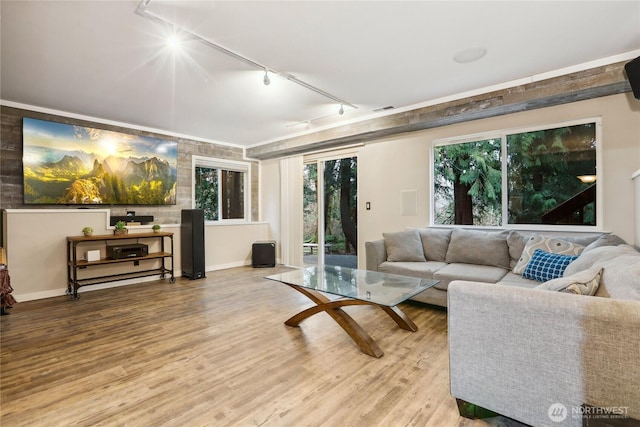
333	308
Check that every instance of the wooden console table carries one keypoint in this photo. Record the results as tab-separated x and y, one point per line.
74	264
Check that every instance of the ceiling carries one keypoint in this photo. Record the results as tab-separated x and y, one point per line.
102	59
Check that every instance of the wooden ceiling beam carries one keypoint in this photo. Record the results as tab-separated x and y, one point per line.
582	85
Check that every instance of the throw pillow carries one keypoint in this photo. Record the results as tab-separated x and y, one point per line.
516	242
604	240
622	266
547	244
584	282
404	246
585	288
479	247
545	266
435	242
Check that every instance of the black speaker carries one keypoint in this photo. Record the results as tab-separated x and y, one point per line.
633	75
192	243
263	254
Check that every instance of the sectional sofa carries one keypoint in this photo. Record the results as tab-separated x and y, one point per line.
448	254
531	350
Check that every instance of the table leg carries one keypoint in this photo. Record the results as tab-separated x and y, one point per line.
332	308
349	325
400	318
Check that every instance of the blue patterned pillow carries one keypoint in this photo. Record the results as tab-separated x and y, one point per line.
545	266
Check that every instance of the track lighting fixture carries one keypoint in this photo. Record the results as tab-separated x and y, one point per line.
341	110
142	10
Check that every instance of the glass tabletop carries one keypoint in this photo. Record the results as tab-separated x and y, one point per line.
372	286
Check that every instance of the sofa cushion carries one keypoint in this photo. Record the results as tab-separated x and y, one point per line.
435	242
424	270
516	242
621	275
513	279
548	244
621	279
584	282
487	248
604	240
581	240
404	246
600	256
470	272
545	266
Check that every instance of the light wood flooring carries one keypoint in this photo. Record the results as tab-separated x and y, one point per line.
215	352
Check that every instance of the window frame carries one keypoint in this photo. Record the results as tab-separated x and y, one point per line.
229	165
502	135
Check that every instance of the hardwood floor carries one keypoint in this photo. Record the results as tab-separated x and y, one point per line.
215	352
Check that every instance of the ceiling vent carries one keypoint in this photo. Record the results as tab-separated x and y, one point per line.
388	107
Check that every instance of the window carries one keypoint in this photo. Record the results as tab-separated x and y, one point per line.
221	188
549	176
468	183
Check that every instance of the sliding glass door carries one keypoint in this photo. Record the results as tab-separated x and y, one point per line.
330	211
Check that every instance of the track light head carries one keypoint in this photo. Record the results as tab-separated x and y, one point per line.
266	79
173	42
341	110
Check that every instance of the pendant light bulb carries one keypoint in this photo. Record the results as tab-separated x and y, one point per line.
341	110
266	79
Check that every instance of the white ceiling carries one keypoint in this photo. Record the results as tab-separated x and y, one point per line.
102	59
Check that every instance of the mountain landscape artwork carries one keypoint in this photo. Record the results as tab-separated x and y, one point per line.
79	165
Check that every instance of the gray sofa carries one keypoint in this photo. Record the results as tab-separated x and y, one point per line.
531	353
448	254
521	352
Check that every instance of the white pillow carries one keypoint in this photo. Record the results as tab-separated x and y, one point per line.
584	282
547	244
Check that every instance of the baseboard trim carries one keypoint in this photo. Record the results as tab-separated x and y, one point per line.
62	291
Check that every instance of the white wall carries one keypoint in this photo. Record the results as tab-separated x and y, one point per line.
270	200
229	245
636	179
36	248
386	169
389	166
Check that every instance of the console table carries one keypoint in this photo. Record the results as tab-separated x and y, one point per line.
74	264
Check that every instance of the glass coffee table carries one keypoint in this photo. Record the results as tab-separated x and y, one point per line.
355	287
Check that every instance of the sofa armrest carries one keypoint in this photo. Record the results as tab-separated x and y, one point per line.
517	351
376	254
